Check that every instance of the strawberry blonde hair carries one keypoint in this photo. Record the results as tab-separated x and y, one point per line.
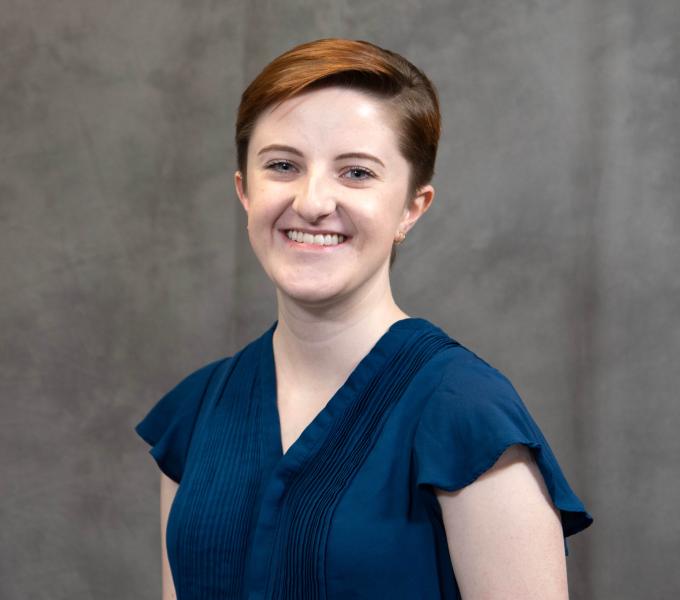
411	97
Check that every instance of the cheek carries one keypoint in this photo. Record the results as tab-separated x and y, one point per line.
265	206
383	216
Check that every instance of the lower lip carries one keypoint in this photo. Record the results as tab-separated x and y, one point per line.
313	247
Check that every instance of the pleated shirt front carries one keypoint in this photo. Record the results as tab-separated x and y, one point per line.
349	511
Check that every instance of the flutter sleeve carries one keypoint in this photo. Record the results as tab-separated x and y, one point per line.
168	427
469	421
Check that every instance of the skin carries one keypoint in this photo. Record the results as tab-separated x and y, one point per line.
168	491
504	534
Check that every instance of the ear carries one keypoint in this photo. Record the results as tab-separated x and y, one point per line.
238	183
417	207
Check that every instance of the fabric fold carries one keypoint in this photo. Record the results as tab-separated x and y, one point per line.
471	419
169	425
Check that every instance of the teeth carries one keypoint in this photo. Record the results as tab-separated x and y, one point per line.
320	240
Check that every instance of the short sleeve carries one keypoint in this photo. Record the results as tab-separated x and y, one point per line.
169	425
474	415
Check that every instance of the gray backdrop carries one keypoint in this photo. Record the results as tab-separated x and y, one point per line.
552	250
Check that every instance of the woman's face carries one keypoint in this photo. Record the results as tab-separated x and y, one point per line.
327	163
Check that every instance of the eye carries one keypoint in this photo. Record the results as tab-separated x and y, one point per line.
353	173
359	173
280	166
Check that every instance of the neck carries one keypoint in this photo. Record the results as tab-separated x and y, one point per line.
314	347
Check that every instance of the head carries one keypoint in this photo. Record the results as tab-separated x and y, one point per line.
408	96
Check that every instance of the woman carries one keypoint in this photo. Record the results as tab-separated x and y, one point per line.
351	451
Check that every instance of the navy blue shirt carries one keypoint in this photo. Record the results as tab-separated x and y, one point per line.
349	511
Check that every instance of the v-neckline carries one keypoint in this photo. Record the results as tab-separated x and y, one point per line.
314	432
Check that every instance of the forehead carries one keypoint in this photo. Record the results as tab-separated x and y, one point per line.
334	115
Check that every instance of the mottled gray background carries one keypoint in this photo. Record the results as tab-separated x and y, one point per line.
552	250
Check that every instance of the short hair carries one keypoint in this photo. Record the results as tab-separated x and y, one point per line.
354	64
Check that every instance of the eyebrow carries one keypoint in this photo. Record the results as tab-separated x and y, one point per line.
292	150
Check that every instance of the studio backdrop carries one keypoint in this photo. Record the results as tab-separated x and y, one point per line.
551	249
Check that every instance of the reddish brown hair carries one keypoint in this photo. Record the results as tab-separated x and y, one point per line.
360	65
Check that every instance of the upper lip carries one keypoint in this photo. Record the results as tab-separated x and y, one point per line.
314	232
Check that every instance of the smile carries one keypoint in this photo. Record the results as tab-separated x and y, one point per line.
302	238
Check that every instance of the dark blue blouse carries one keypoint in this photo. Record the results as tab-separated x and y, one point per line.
349	511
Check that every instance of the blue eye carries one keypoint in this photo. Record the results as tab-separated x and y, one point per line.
361	173
355	173
281	166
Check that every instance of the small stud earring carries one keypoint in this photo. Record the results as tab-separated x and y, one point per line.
401	236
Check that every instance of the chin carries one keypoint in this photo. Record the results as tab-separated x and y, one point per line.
308	293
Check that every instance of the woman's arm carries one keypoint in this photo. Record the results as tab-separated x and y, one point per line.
168	491
504	533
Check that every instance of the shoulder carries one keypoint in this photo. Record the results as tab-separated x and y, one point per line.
187	394
199	376
471	416
466	368
468	385
246	358
185	397
463	372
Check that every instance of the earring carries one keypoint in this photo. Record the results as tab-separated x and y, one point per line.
401	236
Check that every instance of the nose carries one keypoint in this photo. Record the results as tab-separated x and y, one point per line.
314	198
